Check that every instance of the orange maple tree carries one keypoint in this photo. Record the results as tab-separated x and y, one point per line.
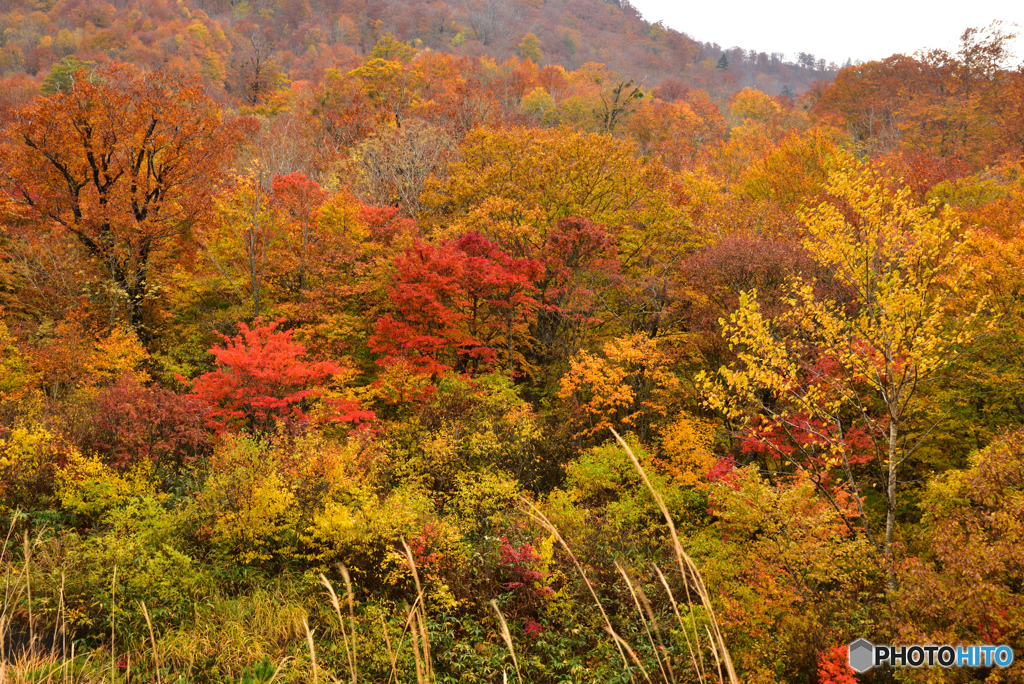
123	161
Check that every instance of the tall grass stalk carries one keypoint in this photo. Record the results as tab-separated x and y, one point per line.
423	659
350	649
686	564
391	653
507	636
648	621
698	658
113	610
536	514
312	651
152	639
28	591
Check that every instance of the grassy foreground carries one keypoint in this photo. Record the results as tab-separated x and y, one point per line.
292	630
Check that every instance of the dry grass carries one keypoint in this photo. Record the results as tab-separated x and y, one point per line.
229	633
350	645
507	636
688	570
694	587
418	616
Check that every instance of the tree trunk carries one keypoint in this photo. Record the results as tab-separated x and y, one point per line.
890	505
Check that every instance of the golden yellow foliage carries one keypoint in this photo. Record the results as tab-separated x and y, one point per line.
246	503
824	368
118	353
513	185
630	384
28	459
685	455
86	486
753	104
14	367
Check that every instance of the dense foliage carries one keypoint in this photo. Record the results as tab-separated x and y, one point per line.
318	324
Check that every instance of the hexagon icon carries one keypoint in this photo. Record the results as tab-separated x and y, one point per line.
862	655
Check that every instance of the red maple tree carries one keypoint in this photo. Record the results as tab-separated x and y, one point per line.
263	379
463	305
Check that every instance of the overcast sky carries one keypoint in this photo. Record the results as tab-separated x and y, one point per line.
864	30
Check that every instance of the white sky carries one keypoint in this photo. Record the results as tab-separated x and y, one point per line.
862	29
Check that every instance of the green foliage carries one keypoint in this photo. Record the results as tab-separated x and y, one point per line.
63	74
262	673
529	48
604	478
143	544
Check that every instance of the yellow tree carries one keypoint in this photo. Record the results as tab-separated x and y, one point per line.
245	243
631	384
516	185
513	185
389	78
832	383
530	48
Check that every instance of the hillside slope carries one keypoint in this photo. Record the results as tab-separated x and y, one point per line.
218	38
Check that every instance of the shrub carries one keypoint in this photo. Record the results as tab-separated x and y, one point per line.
88	488
29	458
142	544
246	507
129	422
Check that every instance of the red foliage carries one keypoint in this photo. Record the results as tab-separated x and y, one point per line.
581	260
724	471
922	170
386	223
523	562
520	565
579	257
834	666
132	421
420	546
298	195
670	90
533	628
719	272
457	305
804	441
263	379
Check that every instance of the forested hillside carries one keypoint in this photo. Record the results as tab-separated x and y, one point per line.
494	342
239	47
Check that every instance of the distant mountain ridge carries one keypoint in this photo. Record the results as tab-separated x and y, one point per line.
304	38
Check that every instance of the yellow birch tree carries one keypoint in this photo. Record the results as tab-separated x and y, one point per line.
824	369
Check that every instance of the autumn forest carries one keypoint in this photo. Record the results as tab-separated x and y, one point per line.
500	341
